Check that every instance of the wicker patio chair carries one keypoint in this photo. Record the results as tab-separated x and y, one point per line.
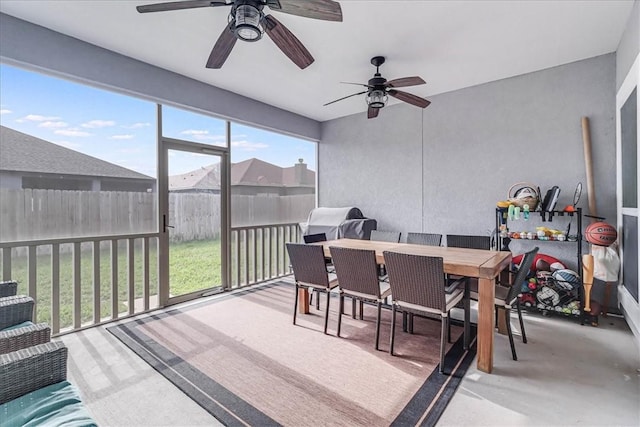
310	271
428	239
8	288
15	310
385	236
468	241
26	336
357	273
315	238
418	286
32	368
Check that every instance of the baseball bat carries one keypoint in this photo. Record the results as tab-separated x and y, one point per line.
587	279
588	163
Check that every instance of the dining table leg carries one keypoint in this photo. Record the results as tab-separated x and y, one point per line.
303	300
486	322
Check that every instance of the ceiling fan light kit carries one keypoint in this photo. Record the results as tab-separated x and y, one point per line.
248	22
378	88
377	99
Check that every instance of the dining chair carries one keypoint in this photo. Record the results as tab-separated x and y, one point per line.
428	239
469	242
357	272
509	294
310	271
385	236
315	238
418	285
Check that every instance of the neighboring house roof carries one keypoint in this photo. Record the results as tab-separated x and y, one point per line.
205	178
258	172
252	172
20	152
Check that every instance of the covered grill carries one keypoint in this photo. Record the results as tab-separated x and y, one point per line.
337	223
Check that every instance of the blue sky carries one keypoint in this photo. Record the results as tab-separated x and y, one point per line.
122	129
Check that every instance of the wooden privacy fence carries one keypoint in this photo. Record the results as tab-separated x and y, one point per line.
48	214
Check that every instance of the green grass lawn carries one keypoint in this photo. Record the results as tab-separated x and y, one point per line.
194	265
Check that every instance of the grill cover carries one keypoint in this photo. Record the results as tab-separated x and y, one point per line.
339	223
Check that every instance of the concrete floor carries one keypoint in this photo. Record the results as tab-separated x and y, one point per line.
567	374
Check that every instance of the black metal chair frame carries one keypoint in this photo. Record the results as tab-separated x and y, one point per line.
513	296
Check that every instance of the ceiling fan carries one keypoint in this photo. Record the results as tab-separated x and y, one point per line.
247	22
378	88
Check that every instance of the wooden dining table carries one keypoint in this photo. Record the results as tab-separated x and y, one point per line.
485	265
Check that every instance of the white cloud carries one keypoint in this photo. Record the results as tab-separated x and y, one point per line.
210	137
5	111
202	135
248	146
93	124
137	125
39	118
194	132
121	136
53	125
71	132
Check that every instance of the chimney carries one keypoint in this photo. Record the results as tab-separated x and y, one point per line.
300	172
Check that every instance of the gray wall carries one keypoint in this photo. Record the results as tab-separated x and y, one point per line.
35	47
629	45
443	168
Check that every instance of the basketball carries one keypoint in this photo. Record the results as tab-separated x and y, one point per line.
600	234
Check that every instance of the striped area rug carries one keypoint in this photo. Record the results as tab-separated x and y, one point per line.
240	357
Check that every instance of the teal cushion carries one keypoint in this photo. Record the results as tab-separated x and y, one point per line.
55	405
19	325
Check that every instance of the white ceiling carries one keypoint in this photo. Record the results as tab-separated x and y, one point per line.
450	44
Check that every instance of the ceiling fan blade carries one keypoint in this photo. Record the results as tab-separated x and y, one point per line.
177	5
326	10
372	113
222	48
345	97
357	84
411	99
405	81
287	42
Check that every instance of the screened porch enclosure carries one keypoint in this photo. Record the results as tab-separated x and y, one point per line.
141	206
